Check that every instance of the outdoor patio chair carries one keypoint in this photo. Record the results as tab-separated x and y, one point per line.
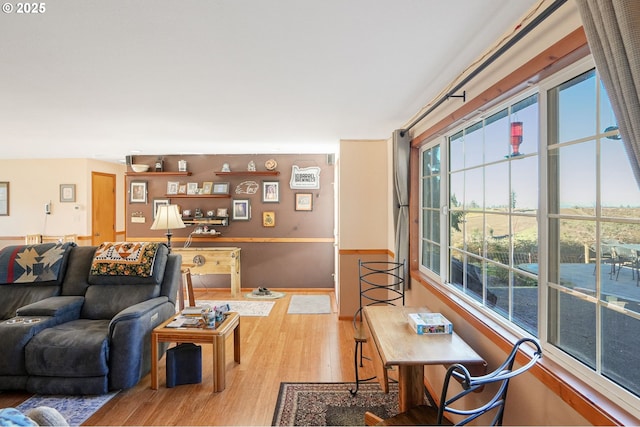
380	283
623	256
449	412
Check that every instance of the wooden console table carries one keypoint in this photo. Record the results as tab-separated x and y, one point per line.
213	261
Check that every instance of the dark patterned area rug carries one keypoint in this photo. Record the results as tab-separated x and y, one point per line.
331	404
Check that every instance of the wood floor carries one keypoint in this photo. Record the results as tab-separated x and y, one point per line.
278	348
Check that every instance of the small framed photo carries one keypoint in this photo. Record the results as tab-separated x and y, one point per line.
192	188
4	198
138	192
172	187
268	219
241	210
224	212
182	188
67	193
304	201
157	203
207	187
270	191
220	188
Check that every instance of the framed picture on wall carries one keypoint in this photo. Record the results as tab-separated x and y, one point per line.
268	219
4	198
192	188
172	187
67	193
270	192
241	210
138	192
207	187
304	202
157	203
220	188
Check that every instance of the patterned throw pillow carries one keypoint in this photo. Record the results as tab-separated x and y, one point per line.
124	259
33	263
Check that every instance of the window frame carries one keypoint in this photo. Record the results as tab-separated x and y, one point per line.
442	140
617	394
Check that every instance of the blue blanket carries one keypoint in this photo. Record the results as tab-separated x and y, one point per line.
33	263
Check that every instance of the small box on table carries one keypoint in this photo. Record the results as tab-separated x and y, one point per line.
430	323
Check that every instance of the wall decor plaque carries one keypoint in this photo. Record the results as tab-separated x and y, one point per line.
305	178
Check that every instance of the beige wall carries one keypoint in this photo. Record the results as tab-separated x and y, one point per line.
34	182
364	214
364	194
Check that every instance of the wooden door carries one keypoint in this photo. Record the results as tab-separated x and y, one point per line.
103	211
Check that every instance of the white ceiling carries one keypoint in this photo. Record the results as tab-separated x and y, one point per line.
108	78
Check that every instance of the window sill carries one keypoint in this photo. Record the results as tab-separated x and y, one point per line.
597	408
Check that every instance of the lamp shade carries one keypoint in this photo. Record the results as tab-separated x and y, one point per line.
167	218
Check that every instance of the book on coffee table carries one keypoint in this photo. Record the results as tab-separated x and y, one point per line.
193	311
184	322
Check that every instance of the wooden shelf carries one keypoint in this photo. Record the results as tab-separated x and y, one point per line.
207	234
197	196
249	173
222	221
151	173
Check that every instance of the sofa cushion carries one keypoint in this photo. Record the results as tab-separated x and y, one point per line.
14	335
76	278
39	264
12	297
60	307
128	263
79	348
105	301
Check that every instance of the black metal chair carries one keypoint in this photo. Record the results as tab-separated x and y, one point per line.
447	414
380	283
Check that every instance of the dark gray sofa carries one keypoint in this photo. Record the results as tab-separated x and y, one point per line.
68	328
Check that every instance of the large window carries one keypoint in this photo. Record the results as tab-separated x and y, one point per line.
431	183
594	234
493	198
552	155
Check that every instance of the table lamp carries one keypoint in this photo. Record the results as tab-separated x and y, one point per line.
167	217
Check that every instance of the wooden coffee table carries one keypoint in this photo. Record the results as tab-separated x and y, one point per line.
214	336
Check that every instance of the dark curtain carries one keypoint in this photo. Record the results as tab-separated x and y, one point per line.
401	153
